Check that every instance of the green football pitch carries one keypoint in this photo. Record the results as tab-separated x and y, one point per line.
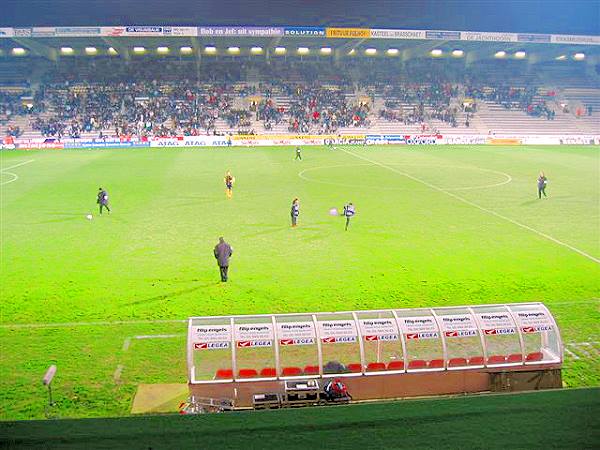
106	299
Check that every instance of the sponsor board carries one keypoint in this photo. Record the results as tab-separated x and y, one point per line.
143	30
180	31
487	37
104	144
78	31
380	337
22	32
240	31
504	141
574	39
348	33
443	35
422	139
254	332
534	38
248	344
336	331
189	141
379	329
40	145
304	31
303	341
295	331
418	327
210	345
475	139
211	333
496	323
533	321
397	34
6	32
112	31
458	325
43	32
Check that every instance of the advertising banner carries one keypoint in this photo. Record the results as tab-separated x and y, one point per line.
43	32
348	33
104	144
296	333
180	31
78	31
574	39
6	32
496	323
240	31
533	38
211	337
533	321
254	335
337	331
304	31
420	327
22	32
458	325
378	329
397	34
32	145
189	141
460	139
443	35
487	37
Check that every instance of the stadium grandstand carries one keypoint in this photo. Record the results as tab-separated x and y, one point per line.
154	81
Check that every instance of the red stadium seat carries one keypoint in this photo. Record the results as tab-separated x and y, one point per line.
375	366
311	370
395	365
268	372
248	373
457	362
476	361
436	364
514	358
224	374
354	368
291	371
535	356
497	359
417	364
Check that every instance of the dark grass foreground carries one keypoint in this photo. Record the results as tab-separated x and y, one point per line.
551	419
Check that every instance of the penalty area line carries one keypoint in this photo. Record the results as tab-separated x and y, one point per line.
88	324
475	205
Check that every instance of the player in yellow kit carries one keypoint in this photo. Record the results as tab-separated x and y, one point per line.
229	180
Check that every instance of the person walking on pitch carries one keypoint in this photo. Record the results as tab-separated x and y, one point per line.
223	252
542	181
348	213
298	154
295	212
102	200
229	180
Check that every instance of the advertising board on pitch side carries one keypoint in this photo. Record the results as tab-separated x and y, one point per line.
533	321
496	323
418	327
211	337
253	335
337	331
458	325
379	329
296	333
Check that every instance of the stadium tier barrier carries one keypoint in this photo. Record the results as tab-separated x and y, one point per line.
379	353
293	140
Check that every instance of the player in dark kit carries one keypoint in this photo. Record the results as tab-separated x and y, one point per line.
298	154
542	181
229	180
348	213
295	212
223	252
102	200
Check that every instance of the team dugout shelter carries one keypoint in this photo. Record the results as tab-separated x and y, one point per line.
379	354
207	43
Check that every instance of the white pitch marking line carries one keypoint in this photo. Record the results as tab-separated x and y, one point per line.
475	205
581	349
573	355
159	336
117	374
17	165
126	344
14	175
87	324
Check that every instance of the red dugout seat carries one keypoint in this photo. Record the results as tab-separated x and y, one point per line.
268	372
354	368
417	364
475	361
515	358
248	373
457	362
291	371
535	356
311	370
224	374
395	365
375	366
436	364
497	359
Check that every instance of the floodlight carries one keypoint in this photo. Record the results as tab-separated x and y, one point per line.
436	52
18	51
139	49
233	49
303	50
326	50
520	54
458	53
66	50
579	56
162	50
352	52
112	51
256	50
500	54
186	50
210	49
280	50
91	50
392	51
561	57
371	51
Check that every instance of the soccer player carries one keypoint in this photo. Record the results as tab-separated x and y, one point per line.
102	200
295	212
348	213
229	180
298	154
223	252
542	181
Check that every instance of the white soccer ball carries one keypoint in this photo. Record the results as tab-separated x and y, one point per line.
89	217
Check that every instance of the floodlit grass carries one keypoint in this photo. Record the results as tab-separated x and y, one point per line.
409	245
